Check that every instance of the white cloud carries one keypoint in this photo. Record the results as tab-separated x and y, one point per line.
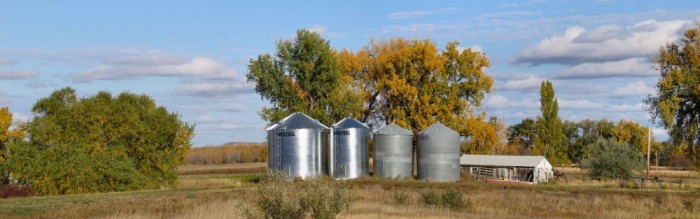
21	118
496	101
7	62
162	65
319	29
418	13
215	88
476	48
638	88
659	133
510	14
206	118
625	107
17	74
605	43
233	108
531	82
632	67
240	126
578	104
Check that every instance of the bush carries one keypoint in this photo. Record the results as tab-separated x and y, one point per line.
99	143
613	160
278	201
12	190
323	198
430	198
453	199
401	197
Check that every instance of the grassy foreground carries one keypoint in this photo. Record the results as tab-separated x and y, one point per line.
226	191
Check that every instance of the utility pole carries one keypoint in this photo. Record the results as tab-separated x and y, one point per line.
648	151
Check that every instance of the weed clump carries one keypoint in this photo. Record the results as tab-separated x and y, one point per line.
430	198
281	198
401	198
452	199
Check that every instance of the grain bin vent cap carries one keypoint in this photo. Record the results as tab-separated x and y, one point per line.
349	123
300	121
438	129
393	129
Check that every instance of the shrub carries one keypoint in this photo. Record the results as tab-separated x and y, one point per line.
280	198
401	197
453	199
430	198
12	190
612	160
276	201
325	198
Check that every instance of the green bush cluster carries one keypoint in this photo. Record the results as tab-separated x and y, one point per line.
430	198
452	199
613	160
280	198
99	143
401	197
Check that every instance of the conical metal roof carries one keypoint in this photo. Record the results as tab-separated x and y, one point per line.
438	129
349	123
299	121
393	129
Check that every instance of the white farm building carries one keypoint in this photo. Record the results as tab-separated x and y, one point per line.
533	169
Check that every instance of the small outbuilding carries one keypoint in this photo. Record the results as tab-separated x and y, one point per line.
534	169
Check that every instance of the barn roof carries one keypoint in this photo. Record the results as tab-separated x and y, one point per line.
502	160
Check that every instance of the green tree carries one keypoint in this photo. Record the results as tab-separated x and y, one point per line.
6	136
550	133
99	143
523	134
303	76
676	104
571	136
612	160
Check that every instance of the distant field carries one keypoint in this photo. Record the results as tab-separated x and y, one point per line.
226	191
222	169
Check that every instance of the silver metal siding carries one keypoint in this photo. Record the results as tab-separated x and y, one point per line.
349	153
393	155
301	154
438	157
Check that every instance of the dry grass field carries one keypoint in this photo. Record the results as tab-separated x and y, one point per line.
226	191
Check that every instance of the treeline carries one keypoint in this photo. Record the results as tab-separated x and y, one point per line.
578	138
227	154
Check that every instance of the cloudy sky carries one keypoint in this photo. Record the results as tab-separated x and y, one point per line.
192	56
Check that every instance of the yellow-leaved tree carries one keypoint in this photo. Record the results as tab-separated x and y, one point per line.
413	84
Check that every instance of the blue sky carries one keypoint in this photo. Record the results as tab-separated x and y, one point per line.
192	56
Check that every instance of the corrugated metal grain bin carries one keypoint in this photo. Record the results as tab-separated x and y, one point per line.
349	153
393	152
438	154
298	146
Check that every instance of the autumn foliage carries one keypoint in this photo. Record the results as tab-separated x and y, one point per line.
227	154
